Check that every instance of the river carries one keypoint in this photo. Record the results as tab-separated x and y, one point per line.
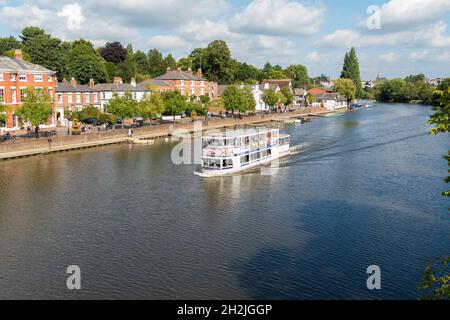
363	188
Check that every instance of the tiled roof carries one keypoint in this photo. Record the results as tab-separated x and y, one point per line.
176	75
68	87
17	65
118	87
155	82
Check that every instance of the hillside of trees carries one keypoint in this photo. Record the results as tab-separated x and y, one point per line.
81	60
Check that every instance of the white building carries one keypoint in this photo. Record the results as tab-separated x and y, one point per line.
331	101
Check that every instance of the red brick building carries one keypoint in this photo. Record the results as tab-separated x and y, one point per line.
186	82
16	75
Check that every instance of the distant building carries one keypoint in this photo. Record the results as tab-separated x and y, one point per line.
331	101
258	90
300	95
74	96
186	82
16	75
434	82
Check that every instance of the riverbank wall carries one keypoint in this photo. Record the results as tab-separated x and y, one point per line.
23	147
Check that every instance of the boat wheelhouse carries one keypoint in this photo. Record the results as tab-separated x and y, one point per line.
238	150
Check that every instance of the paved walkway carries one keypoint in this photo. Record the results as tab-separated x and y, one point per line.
27	147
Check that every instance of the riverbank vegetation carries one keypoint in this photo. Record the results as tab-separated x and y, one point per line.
410	89
436	278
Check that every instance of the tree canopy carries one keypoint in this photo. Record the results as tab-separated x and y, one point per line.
114	52
346	88
270	97
84	63
123	106
351	71
36	107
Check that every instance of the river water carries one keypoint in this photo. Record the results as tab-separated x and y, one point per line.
363	188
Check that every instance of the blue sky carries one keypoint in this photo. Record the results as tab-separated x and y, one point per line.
411	36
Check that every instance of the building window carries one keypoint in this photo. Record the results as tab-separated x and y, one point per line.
60	98
12	77
37	78
1	77
134	95
23	94
50	78
192	91
104	95
69	98
95	98
182	90
13	95
202	92
88	98
182	82
23	77
78	98
192	83
2	95
50	93
203	83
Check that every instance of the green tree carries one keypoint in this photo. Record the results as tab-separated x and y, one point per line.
141	62
288	96
36	107
11	53
156	63
351	71
298	74
198	58
169	62
185	63
3	110
394	90
151	106
9	43
247	73
436	279
232	98
270	98
415	78
346	88
441	120
44	50
249	103
123	106
84	63
174	103
219	66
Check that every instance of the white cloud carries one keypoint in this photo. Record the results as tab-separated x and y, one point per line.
401	14
431	36
314	57
168	42
157	13
388	57
69	23
74	15
278	17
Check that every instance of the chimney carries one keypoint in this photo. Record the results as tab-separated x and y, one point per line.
18	54
91	83
73	82
64	80
133	82
179	70
190	71
118	80
199	73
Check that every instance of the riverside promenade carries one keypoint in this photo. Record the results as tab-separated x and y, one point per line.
24	147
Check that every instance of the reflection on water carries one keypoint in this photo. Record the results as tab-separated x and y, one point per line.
359	189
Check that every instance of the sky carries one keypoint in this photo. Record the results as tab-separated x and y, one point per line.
393	38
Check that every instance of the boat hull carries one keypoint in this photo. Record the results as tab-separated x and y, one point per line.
205	173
